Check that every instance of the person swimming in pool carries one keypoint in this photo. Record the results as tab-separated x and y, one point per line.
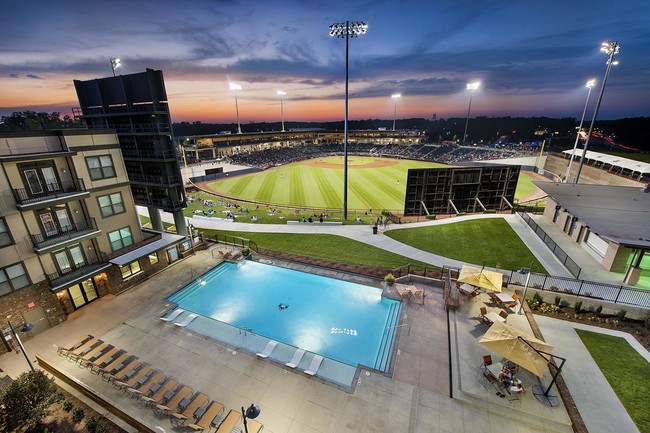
282	307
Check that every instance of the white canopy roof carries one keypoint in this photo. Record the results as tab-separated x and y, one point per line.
642	168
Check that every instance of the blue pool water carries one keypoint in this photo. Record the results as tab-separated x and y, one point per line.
345	321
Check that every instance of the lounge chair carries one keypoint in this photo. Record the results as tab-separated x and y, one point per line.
231	420
64	350
214	410
140	377
111	364
94	354
268	349
254	426
86	347
154	382
173	315
186	321
297	357
417	293
159	396
125	372
199	401
185	393
315	365
105	358
403	291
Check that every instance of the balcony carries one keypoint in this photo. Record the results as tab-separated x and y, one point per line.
70	234
77	273
136	128
166	204
53	193
149	154
120	110
154	180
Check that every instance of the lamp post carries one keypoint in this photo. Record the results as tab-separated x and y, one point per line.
611	48
26	327
235	87
471	87
252	412
590	84
115	63
282	94
395	96
347	30
526	271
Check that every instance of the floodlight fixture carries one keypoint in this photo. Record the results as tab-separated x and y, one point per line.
395	96
471	87
115	63
236	87
590	84
282	94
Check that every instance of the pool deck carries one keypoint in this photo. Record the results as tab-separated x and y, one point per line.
416	399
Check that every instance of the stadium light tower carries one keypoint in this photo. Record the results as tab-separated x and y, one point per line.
590	85
347	30
611	48
471	87
282	94
395	96
235	88
115	63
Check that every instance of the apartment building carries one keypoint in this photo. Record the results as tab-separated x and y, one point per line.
69	230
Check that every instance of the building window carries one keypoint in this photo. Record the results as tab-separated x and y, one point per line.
120	238
12	278
100	167
111	204
153	258
5	237
69	259
130	269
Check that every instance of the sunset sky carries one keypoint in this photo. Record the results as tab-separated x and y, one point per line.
533	58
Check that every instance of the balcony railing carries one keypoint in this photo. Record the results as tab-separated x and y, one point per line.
75	272
148	154
51	191
120	109
137	128
159	203
155	180
67	233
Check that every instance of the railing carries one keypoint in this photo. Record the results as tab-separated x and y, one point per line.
77	270
68	232
148	153
156	180
555	248
433	272
164	203
232	240
51	190
120	109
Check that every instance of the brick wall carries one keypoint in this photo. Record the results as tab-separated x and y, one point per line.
116	284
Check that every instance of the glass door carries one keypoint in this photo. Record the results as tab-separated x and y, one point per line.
64	219
34	183
82	293
49	226
49	176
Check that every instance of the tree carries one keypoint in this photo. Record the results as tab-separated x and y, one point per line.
32	121
26	401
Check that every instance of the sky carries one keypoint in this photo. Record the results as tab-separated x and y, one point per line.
532	58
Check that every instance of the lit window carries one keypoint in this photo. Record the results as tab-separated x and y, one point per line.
153	258
130	269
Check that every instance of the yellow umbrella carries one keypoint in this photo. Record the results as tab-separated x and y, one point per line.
509	342
477	277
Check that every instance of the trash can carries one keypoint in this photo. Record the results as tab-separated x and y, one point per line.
374	230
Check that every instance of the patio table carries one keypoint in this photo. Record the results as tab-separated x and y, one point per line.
494	317
505	298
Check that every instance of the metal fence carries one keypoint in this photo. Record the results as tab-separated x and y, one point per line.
555	248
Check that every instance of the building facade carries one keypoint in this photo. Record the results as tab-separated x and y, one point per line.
69	230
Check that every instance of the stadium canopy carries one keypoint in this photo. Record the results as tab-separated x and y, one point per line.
617	164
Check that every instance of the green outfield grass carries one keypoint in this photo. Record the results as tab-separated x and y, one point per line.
305	184
525	185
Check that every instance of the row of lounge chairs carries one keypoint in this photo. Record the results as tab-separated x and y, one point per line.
153	388
295	359
177	312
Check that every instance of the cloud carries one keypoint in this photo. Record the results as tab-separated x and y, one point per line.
34	76
14	75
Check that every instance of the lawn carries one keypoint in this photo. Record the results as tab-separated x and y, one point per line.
627	372
490	242
525	185
328	247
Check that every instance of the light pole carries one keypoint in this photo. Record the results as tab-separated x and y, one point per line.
115	63
26	327
471	87
590	85
611	48
395	96
282	94
526	271
236	87
252	412
347	30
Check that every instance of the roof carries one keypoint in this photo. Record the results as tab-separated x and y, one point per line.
166	240
616	213
642	168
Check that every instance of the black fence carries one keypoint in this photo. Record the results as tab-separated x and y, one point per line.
232	240
555	248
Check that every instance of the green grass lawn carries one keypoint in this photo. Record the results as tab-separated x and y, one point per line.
627	372
329	247
525	185
491	242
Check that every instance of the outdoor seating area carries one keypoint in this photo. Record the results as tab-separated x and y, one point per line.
152	387
410	292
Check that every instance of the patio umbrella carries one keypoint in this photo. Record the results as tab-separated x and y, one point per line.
488	280
515	345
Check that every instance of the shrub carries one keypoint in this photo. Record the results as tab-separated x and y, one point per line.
490	211
533	304
578	306
537	297
549	308
431	217
245	251
599	310
91	424
389	279
621	314
78	414
557	301
67	406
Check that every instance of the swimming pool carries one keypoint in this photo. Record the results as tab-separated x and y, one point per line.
349	322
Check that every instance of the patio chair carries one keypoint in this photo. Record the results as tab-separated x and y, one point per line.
110	365
403	291
160	396
185	393
485	320
123	373
295	360
80	351
227	425
515	297
173	315
155	380
93	354
105	358
503	314
141	375
199	401
187	320
64	350
268	349
214	410
417	293
315	365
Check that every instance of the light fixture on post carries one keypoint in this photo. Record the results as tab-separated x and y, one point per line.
526	271
252	412
611	48
590	85
347	30
395	96
235	88
115	63
25	327
471	87
282	94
